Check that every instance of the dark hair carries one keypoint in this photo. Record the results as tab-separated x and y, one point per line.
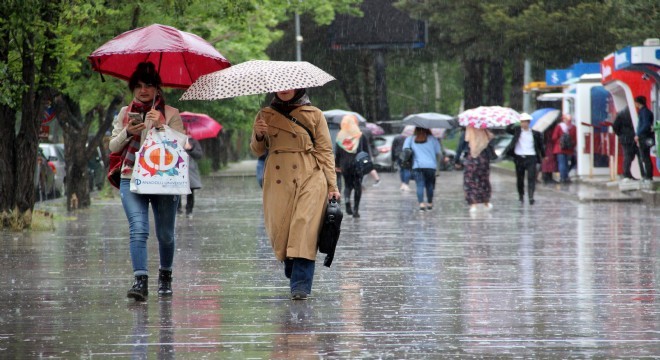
145	72
641	100
421	134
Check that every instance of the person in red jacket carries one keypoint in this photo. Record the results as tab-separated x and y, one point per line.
564	150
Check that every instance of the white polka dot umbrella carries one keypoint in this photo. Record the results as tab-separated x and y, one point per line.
488	117
256	77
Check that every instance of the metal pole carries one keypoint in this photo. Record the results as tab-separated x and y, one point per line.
527	78
299	38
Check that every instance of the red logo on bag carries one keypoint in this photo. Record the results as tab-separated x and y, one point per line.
159	158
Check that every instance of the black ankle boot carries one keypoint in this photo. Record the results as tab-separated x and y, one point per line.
349	210
164	282
139	291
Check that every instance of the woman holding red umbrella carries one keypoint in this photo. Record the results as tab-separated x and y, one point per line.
146	111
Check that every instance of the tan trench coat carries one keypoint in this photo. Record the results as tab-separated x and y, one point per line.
297	179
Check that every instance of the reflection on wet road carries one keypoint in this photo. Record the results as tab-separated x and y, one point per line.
560	279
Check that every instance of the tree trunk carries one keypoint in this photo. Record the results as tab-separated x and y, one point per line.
517	81
7	144
473	83
27	138
495	89
380	84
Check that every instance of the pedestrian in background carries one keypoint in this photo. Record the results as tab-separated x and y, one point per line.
426	151
623	128
195	152
404	174
261	163
299	179
644	137
526	149
350	141
563	153
476	172
549	163
369	136
460	151
129	134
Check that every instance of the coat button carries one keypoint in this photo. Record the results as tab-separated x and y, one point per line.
277	151
279	181
294	135
277	167
295	166
275	135
294	181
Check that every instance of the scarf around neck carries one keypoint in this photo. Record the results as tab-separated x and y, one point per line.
299	99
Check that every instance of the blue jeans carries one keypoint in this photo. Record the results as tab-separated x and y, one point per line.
562	161
301	273
404	174
425	180
136	207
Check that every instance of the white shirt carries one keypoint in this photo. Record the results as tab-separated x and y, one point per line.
525	144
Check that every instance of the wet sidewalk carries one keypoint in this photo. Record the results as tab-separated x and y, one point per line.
561	279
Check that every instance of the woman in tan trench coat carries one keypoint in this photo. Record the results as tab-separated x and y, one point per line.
299	178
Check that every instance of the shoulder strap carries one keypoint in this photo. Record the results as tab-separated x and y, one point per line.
295	121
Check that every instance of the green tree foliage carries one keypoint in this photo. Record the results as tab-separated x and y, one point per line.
43	50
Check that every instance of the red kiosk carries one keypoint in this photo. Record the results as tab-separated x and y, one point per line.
627	73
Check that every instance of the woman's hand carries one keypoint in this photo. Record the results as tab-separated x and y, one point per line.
260	127
135	127
334	194
154	116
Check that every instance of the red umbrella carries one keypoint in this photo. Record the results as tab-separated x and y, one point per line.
179	56
200	126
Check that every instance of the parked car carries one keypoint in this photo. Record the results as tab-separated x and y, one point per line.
55	155
500	142
383	158
44	178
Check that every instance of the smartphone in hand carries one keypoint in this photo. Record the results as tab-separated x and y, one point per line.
135	118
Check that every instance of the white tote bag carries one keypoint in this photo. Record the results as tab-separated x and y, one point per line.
161	164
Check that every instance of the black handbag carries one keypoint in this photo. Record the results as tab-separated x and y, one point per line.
330	229
406	158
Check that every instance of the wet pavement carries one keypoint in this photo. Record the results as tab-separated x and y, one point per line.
565	278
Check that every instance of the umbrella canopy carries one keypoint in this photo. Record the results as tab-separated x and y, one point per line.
430	121
488	117
200	126
375	129
256	77
408	130
543	118
180	57
335	116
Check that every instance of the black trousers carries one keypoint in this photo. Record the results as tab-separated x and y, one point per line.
629	153
190	202
526	164
645	159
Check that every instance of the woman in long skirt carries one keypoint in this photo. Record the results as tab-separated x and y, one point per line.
476	174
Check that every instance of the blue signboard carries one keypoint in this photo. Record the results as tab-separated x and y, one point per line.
623	58
557	77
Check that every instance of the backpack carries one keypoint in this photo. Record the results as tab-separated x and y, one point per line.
363	163
406	158
565	142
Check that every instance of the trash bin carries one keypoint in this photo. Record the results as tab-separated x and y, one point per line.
656	128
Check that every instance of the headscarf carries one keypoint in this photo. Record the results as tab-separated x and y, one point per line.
348	138
477	139
300	98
